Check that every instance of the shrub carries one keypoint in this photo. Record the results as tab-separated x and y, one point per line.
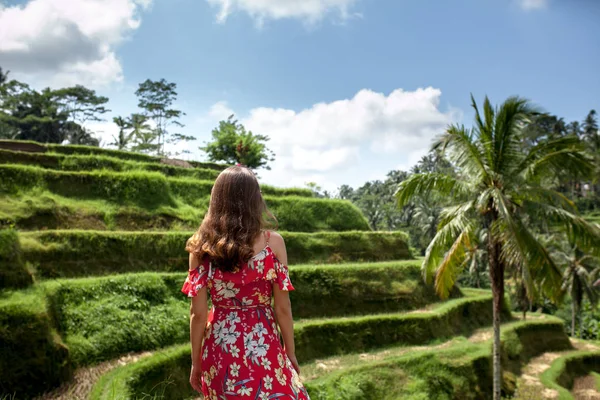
33	358
83	253
564	370
13	273
102	318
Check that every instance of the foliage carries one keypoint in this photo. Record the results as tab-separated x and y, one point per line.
124	138
97	162
460	371
49	115
13	272
85	253
156	99
32	351
500	187
232	144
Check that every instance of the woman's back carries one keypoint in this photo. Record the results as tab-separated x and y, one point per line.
241	354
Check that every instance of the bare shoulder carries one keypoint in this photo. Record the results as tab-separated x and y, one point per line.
277	244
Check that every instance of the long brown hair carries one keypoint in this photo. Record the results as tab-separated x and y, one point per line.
235	218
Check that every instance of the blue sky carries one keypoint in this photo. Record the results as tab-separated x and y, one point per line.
346	89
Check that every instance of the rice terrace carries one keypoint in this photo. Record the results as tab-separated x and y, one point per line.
433	170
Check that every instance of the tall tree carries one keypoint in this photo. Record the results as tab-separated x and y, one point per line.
500	187
145	138
156	98
124	137
232	144
580	273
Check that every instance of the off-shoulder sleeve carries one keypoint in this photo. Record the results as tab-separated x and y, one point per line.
281	275
196	279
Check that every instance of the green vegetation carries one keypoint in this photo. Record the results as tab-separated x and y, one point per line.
102	318
563	371
322	338
40	210
460	371
502	188
96	162
13	272
32	350
232	144
84	253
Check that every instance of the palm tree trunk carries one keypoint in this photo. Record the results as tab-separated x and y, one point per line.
497	280
573	317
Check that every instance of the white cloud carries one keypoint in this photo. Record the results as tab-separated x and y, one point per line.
340	138
220	111
63	42
260	10
533	4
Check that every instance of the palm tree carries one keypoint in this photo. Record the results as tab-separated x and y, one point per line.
500	186
124	138
145	136
580	273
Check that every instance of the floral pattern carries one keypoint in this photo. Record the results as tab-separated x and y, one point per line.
242	357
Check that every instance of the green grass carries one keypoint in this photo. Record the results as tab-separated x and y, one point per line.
460	371
73	253
99	162
40	209
46	148
13	271
143	188
564	370
33	357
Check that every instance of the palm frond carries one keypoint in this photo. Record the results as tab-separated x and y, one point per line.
511	117
463	151
452	264
521	247
569	162
539	194
584	234
441	242
425	184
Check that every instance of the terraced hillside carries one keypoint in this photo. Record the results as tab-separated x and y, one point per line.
92	257
92	260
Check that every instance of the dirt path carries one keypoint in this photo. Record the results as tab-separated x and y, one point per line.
585	388
80	387
531	388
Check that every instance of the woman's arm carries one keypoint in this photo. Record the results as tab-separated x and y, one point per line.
283	305
198	318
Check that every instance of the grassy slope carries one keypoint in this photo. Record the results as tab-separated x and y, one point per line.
83	253
563	371
101	318
460	370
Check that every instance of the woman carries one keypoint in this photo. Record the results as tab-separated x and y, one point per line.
236	352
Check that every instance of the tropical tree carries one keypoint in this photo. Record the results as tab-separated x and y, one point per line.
156	98
501	187
232	144
146	139
124	138
580	273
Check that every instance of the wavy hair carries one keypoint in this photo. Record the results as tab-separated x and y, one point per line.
236	217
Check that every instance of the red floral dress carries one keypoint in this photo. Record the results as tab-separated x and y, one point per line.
242	357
